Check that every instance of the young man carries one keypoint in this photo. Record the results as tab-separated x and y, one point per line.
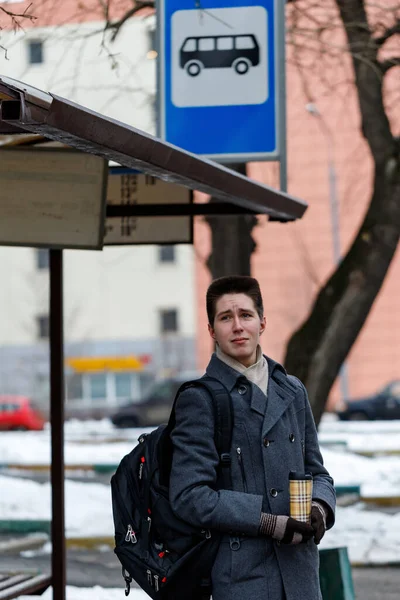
264	554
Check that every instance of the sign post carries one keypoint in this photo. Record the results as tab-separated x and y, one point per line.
221	78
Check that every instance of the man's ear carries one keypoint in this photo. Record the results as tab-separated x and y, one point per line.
211	331
263	325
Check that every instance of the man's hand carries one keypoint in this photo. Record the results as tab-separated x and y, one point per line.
318	521
285	529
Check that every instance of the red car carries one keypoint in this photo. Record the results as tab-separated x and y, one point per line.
17	413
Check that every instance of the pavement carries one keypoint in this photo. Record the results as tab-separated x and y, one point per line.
101	567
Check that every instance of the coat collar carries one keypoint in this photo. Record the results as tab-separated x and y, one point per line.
281	391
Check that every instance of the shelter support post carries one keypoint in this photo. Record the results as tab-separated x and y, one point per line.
57	424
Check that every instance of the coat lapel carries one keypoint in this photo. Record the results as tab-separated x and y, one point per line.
281	392
258	400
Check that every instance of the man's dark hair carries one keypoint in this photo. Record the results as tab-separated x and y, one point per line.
233	284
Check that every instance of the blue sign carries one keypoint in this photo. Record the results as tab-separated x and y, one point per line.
219	90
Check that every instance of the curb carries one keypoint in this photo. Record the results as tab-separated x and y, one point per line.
89	543
373	453
25	526
385	501
98	468
30	542
358	565
344	490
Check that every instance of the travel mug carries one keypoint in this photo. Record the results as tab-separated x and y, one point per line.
300	493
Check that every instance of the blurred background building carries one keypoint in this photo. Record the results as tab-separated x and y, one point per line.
134	314
129	311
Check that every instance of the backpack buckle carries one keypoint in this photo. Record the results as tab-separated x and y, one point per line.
128	580
225	459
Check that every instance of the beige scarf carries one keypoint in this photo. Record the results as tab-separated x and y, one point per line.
257	373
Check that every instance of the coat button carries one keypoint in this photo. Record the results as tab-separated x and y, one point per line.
273	492
291	437
266	442
242	389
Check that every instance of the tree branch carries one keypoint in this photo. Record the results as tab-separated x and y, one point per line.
375	122
15	16
393	61
390	31
116	25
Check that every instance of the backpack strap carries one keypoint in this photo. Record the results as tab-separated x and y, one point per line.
223	419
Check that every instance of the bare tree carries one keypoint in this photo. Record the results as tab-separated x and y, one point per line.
318	348
14	20
232	243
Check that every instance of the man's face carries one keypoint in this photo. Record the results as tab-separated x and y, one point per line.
237	327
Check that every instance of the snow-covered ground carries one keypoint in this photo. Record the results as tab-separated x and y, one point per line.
96	593
371	536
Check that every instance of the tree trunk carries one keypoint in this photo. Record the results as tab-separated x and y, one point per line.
231	242
317	350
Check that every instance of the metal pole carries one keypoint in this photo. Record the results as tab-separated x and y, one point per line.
281	96
159	65
58	562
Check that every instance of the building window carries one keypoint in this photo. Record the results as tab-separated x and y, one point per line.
42	259
123	387
74	386
43	327
35	52
166	254
98	386
169	321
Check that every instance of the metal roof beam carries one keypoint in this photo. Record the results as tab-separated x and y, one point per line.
35	111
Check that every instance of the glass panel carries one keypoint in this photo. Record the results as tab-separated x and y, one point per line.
190	45
35	52
43	325
123	385
98	387
395	389
169	320
42	258
206	44
225	43
244	42
166	254
74	387
161	391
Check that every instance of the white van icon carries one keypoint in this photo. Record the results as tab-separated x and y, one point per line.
239	52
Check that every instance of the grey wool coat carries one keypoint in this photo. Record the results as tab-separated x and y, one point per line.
275	434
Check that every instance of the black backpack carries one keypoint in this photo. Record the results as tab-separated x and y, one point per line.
168	558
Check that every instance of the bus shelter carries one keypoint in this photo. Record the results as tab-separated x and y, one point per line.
57	198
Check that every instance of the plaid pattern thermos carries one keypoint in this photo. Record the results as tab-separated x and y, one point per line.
300	492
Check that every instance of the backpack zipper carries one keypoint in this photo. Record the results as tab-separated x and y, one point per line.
131	535
149	577
156	585
121	505
240	460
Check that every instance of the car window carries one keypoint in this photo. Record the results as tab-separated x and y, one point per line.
244	42
395	389
9	407
162	391
206	44
189	45
225	43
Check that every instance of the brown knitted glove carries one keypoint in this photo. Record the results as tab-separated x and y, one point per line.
285	529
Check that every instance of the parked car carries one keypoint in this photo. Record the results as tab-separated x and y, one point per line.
155	407
383	405
18	413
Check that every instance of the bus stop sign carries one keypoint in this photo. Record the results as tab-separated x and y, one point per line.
219	64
